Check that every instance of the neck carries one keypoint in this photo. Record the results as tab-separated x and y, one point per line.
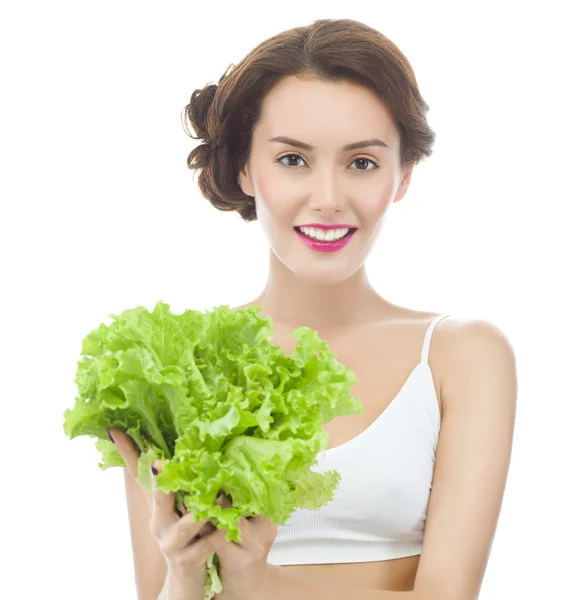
323	306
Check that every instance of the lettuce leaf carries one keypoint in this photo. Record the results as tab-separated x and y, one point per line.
220	405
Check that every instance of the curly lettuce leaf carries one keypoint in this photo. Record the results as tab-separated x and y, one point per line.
219	404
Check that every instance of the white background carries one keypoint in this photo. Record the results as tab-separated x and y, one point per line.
100	214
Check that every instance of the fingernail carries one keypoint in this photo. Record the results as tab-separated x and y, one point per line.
110	436
154	469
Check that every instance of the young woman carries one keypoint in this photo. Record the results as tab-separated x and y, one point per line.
315	134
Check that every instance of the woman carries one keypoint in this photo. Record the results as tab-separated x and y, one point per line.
315	134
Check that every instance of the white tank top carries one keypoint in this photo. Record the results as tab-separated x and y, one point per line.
379	508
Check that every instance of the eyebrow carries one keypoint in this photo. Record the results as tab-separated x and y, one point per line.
353	146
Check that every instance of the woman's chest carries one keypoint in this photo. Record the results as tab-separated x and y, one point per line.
385	359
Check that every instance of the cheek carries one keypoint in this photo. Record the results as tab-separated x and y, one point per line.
273	200
378	200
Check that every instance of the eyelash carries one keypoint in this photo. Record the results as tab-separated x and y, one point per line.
279	160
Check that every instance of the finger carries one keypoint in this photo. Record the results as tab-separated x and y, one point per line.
207	528
208	544
257	532
254	530
265	528
187	531
127	448
224	500
195	555
248	533
164	516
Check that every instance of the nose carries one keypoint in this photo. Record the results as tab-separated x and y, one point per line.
326	194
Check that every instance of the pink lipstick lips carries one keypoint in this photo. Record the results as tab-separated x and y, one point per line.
324	246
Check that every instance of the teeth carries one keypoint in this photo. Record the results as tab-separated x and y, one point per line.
324	235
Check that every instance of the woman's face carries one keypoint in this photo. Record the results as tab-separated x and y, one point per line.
327	184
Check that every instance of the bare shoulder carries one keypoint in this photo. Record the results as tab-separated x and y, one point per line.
467	346
462	344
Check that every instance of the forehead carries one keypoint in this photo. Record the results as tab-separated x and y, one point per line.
321	112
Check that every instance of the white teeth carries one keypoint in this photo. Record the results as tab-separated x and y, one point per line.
324	235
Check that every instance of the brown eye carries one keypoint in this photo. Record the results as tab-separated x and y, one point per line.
366	160
295	156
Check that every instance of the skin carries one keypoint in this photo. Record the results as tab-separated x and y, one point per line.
330	291
323	290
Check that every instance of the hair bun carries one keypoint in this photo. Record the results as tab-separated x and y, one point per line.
198	110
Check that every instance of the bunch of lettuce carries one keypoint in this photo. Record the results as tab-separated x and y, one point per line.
220	405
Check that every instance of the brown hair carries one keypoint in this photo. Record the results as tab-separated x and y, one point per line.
224	115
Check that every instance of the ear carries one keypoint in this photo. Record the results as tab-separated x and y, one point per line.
404	182
245	182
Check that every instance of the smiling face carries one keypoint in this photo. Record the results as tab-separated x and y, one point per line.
322	181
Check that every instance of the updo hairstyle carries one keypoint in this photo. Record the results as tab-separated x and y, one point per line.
223	115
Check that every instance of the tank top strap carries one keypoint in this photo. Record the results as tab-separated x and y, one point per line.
427	341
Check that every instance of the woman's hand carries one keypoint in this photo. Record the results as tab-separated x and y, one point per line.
187	545
184	543
242	566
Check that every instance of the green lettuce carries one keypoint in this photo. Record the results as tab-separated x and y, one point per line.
220	405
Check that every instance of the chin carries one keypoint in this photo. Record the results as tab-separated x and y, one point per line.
324	273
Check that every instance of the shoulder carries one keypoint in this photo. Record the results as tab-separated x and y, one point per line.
472	349
466	349
474	340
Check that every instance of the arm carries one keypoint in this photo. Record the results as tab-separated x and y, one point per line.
150	566
164	593
173	589
473	454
